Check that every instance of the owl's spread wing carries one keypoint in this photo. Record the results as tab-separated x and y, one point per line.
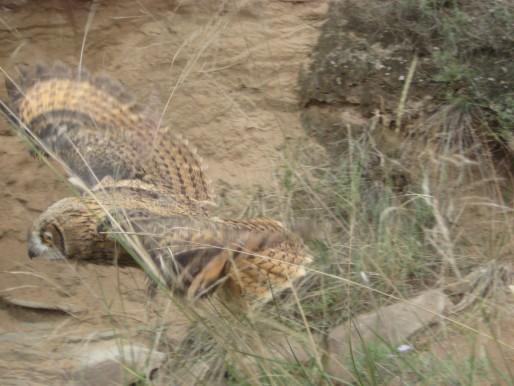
98	130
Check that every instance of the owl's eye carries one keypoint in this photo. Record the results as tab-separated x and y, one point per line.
47	238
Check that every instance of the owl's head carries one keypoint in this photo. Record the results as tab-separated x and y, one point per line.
74	229
67	230
46	240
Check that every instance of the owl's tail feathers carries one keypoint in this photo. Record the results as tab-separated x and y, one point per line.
212	266
267	271
253	267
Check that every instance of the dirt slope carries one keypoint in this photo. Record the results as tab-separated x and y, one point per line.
223	76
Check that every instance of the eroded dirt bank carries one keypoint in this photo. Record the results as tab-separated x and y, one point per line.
224	76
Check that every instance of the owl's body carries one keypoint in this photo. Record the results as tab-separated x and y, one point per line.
148	191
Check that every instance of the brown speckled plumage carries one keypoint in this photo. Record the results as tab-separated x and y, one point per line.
151	183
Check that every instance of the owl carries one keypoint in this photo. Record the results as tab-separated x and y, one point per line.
146	200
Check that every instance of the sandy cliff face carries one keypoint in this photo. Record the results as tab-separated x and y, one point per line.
223	76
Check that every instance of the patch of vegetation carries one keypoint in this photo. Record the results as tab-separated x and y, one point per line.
376	237
381	238
378	362
465	51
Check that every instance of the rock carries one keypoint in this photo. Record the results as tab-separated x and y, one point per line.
112	363
37	305
392	325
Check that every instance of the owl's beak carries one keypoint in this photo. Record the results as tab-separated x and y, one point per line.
38	249
33	252
35	249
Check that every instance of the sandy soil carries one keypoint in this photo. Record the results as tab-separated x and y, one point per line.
223	76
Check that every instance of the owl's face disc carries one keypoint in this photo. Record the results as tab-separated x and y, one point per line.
47	242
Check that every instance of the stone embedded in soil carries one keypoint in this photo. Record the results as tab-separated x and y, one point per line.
393	324
111	363
38	305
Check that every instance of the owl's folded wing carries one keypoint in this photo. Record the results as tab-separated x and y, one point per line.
195	256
